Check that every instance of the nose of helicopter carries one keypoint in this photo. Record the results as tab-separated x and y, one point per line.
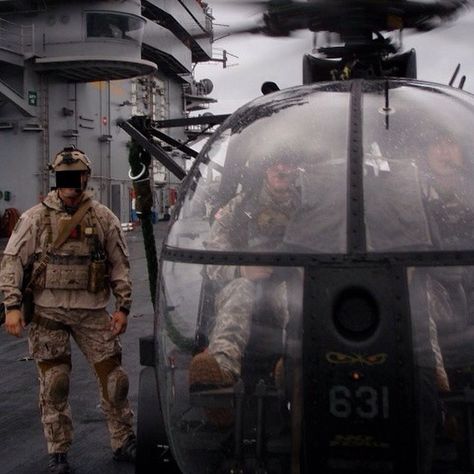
330	293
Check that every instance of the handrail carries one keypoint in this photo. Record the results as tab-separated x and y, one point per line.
16	38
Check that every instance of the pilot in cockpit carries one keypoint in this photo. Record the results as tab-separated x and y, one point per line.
253	220
449	202
448	199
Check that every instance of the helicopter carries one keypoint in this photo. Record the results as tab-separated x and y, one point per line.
363	360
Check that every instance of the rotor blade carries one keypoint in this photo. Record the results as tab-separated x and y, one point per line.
426	16
385	15
284	16
275	18
257	3
254	24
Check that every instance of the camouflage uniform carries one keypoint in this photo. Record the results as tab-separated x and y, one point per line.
65	307
246	223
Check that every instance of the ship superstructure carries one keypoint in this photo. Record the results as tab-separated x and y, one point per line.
69	70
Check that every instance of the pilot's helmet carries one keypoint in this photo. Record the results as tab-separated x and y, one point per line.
272	156
71	159
278	156
281	164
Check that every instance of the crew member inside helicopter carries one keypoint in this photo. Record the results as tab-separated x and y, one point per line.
448	202
449	205
426	207
254	220
448	198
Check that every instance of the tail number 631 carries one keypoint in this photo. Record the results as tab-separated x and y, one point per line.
363	401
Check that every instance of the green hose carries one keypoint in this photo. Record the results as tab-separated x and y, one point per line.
138	157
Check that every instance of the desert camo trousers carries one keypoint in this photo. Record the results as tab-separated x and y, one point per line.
234	306
51	348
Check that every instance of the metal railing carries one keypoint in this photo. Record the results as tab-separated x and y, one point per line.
16	38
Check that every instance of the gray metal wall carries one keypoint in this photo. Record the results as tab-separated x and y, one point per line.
84	114
19	168
81	113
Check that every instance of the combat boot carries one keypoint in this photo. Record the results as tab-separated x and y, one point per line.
205	373
58	463
128	451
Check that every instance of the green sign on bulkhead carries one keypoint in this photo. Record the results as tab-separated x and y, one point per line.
32	98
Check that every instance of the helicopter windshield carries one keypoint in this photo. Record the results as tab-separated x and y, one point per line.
418	170
414	175
306	135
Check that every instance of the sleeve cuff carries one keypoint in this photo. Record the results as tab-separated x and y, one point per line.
12	307
124	310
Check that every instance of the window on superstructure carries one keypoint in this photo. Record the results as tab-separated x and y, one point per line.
115	26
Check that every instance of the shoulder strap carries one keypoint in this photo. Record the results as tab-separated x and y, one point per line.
75	219
96	220
61	238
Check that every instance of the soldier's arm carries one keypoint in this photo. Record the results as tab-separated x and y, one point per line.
221	238
118	260
19	249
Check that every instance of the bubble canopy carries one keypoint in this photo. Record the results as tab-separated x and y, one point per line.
367	159
321	253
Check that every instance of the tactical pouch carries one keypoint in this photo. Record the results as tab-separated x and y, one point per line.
66	277
97	276
28	305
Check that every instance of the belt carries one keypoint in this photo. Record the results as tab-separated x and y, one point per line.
68	259
50	324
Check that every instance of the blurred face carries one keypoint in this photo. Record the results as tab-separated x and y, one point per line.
445	159
446	163
280	177
73	193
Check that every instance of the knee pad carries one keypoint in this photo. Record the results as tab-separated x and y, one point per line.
55	380
117	386
113	380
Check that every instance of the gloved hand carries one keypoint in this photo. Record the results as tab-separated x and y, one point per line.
14	322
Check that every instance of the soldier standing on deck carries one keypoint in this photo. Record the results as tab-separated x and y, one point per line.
71	291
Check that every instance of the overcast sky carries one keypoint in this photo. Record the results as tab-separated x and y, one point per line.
263	59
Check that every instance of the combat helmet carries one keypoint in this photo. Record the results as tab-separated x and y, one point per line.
71	159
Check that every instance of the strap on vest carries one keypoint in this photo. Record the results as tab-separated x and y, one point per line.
61	238
75	219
